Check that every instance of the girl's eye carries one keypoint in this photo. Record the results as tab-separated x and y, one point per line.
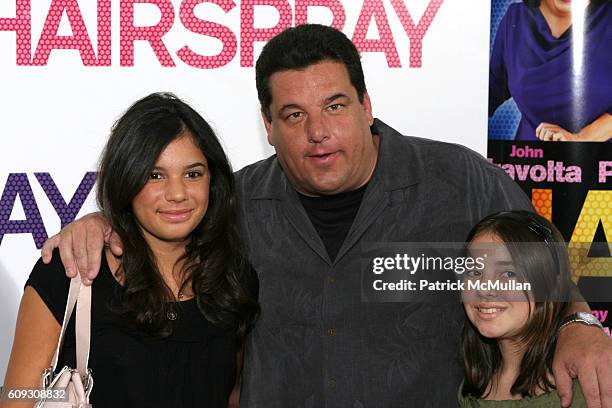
194	174
509	274
155	176
473	273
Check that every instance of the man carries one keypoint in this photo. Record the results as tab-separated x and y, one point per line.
341	179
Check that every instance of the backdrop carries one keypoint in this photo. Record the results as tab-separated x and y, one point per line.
70	67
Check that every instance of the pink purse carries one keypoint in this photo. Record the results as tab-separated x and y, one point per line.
76	383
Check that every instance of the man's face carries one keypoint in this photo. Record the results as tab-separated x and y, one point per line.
320	130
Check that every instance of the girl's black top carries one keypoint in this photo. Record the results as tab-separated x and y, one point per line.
193	367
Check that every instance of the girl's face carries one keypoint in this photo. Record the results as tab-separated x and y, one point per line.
175	198
499	314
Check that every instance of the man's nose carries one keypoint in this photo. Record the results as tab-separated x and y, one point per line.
316	129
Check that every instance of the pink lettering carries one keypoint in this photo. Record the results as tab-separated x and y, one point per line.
372	14
537	173
22	27
104	33
601	315
249	34
526	152
522	171
605	170
416	32
153	34
553	172
221	32
338	13
386	43
49	40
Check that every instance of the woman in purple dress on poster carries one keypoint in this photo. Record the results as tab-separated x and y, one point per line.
561	97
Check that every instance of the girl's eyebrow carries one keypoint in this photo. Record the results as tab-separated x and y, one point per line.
190	166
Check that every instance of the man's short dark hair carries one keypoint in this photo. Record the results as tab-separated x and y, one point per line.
301	47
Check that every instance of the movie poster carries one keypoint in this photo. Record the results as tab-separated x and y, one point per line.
550	124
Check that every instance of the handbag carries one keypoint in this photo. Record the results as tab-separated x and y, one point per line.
72	386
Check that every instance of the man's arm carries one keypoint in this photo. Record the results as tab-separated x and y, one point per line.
80	245
582	351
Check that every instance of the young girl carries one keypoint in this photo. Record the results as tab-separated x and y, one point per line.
509	341
169	315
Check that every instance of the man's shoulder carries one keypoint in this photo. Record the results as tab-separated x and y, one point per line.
438	156
253	174
431	146
449	167
253	169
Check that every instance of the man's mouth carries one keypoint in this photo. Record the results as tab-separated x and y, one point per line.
323	158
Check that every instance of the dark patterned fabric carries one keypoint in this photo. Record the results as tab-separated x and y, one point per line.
316	343
332	216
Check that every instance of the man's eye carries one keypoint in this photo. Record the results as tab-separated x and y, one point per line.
473	273
294	115
509	274
334	107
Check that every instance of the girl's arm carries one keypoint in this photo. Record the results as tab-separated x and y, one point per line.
36	336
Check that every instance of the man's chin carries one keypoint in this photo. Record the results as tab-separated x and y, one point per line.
326	188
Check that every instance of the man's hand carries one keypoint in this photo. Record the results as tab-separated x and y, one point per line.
81	243
548	132
585	352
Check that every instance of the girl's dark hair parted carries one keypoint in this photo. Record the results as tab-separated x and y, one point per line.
214	261
545	265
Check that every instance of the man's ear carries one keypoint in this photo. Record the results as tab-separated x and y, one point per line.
367	107
268	125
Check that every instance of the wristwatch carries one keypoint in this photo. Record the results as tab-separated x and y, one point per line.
580	317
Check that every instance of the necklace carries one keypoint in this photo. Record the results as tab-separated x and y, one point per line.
171	314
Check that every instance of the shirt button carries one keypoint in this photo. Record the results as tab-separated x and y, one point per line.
331	332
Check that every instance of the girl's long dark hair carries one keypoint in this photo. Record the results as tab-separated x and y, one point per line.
214	260
545	265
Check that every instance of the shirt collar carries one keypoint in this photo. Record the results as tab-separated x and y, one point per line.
397	166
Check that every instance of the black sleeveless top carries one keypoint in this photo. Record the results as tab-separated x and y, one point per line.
194	367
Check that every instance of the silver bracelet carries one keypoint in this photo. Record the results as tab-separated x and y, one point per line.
582	318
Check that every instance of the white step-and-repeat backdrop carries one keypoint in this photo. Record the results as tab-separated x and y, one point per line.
68	68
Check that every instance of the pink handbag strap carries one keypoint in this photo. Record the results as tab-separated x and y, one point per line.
79	295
